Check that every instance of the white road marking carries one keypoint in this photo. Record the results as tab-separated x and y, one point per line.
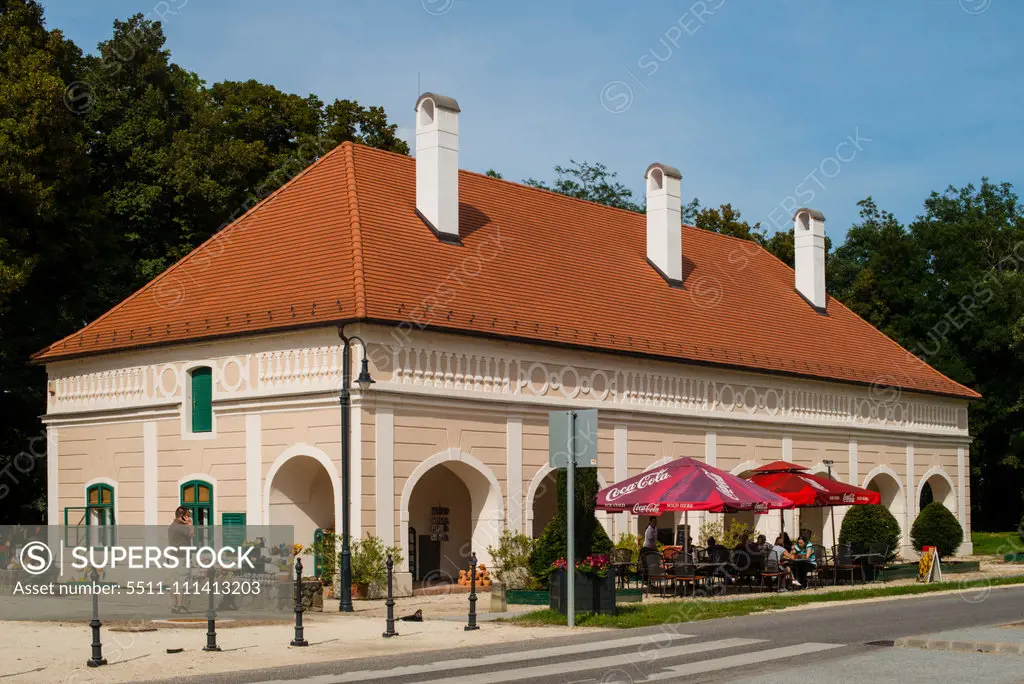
616	661
656	641
726	662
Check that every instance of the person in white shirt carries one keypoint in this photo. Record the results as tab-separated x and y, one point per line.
651	535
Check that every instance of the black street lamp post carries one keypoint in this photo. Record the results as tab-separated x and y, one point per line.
364	381
832	509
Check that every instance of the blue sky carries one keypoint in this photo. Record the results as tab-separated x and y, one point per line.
751	100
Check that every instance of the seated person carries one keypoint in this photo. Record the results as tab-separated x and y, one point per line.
755	547
778	552
787	542
716	552
803	555
762	544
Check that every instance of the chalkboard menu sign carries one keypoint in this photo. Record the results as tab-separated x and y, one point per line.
439	523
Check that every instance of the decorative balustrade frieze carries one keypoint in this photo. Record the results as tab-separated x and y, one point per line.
121	386
638	388
700	392
297	368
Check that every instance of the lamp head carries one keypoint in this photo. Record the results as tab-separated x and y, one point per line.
364	380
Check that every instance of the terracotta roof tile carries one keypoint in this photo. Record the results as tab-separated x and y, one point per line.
342	241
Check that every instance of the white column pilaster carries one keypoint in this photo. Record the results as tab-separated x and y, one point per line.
356	473
385	475
961	495
514	472
54	514
254	470
854	477
150	474
711	447
620	464
911	501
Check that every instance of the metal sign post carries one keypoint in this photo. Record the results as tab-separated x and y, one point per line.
570	533
572	442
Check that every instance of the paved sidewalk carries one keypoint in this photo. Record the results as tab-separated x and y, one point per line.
57	652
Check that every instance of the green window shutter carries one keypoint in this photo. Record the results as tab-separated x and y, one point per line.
233	537
202	400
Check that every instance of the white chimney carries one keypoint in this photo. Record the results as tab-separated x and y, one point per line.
809	240
437	164
664	222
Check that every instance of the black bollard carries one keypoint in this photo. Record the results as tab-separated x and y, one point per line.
97	647
298	640
390	603
472	595
211	615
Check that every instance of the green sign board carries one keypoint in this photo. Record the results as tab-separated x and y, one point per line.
572	432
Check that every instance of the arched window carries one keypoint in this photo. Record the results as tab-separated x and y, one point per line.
99	505
197	496
201	392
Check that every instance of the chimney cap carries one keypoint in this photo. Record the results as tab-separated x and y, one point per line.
670	171
441	101
813	213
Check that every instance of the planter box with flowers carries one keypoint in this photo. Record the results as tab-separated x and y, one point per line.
594	584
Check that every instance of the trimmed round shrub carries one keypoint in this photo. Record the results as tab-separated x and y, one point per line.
936	526
870	524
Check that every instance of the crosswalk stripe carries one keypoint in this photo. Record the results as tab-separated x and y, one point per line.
726	662
596	663
497	659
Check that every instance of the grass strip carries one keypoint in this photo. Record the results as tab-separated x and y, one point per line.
649	614
996	543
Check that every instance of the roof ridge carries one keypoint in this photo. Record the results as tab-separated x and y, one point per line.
358	275
173	268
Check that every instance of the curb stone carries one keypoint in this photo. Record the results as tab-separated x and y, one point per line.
961	646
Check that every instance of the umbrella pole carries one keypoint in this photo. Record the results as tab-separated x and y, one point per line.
686	535
832	519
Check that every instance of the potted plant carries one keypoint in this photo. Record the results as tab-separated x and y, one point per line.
369	566
594	580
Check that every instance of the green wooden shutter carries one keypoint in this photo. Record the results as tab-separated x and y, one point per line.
233	537
202	400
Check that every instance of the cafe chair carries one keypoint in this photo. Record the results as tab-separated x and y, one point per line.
842	561
684	572
772	572
816	575
655	572
878	553
622	561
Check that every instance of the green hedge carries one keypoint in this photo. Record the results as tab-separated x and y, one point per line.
870	524
936	526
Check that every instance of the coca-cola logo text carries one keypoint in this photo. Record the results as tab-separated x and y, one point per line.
646	509
645	481
720	484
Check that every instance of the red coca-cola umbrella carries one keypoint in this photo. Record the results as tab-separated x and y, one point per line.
806	489
688	485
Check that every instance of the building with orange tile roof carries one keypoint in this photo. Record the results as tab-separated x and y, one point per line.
484	304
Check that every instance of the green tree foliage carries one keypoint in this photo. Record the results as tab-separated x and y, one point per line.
936	526
114	165
591	182
590	537
870	524
950	288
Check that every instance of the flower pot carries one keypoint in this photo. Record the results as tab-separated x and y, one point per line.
360	591
594	594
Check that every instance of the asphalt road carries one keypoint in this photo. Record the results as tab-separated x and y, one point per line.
822	643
